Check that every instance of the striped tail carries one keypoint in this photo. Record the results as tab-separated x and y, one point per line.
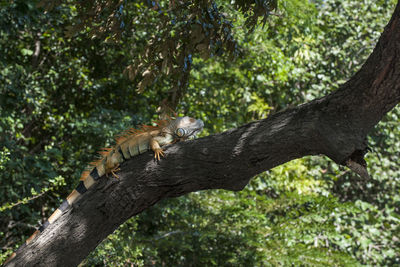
82	187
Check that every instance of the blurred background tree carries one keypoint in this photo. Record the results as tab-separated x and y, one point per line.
73	74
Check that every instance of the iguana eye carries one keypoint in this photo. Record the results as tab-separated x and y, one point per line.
180	132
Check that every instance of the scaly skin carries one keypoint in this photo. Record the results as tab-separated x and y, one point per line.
131	143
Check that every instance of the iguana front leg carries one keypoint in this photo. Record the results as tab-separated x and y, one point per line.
155	146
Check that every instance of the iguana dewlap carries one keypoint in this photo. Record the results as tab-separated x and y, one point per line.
129	144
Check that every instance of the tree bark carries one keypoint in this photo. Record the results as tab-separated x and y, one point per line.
335	125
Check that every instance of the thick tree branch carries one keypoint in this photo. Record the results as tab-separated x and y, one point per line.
335	125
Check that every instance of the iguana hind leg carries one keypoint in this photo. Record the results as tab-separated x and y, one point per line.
114	170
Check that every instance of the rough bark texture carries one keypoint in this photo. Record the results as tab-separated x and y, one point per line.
335	125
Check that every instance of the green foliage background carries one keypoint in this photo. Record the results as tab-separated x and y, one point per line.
59	107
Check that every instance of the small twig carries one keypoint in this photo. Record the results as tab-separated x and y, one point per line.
22	201
168	234
35	55
12	224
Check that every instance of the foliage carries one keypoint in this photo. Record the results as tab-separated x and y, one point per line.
66	92
188	28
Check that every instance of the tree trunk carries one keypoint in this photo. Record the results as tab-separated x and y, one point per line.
335	125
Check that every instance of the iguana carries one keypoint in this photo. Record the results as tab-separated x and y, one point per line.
129	144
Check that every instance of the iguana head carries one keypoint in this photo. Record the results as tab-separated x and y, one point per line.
183	128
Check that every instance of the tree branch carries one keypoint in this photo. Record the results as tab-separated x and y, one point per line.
335	125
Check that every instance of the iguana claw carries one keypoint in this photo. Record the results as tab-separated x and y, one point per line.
113	171
158	152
